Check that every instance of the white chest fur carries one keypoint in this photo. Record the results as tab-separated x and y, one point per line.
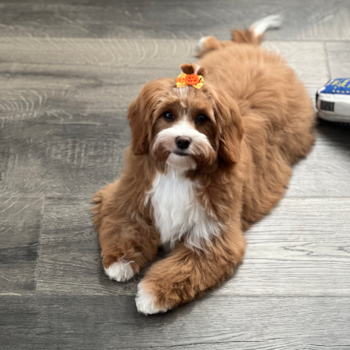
177	211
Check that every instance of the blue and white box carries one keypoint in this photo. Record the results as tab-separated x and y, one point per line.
333	101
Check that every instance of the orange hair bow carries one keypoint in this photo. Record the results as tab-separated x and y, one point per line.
189	80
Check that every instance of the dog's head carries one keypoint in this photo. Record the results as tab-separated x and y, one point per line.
184	127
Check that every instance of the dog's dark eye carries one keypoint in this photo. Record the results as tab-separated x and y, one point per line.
168	116
201	119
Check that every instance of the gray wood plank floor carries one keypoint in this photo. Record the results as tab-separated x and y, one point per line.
68	70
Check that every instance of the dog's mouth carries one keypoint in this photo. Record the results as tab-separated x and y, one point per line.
180	153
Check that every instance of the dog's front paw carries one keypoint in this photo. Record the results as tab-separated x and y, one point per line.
147	301
120	271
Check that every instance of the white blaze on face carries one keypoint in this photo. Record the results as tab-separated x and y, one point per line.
182	93
199	144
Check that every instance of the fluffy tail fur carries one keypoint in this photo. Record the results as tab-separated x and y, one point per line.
254	34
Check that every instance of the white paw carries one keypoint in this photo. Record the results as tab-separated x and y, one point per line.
145	302
120	271
201	42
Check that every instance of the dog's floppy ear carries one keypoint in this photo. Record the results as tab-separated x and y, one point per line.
139	129
230	128
140	113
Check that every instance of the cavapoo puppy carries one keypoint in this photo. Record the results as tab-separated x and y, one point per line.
211	153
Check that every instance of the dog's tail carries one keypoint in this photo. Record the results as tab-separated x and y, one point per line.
254	34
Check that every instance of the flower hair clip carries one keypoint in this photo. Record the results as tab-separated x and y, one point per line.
191	79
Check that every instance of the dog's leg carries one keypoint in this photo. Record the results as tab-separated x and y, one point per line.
102	203
187	273
207	44
127	245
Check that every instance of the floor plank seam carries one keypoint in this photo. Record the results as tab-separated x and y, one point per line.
39	244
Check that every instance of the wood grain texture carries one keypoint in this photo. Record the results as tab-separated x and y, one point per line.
326	170
112	322
302	248
339	59
85	80
82	88
68	71
62	158
174	19
69	257
20	223
78	77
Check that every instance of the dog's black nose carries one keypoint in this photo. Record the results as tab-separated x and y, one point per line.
183	142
